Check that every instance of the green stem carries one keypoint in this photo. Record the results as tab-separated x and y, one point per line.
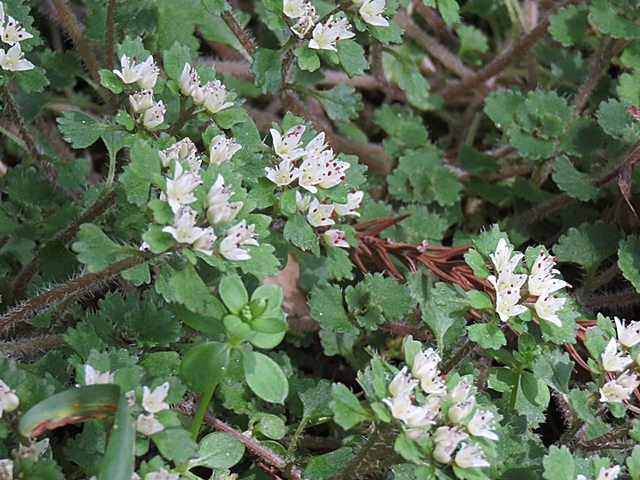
514	393
294	440
200	412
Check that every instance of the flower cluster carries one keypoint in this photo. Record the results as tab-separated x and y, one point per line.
319	168
615	362
12	33
541	282
212	95
179	193
371	12
9	401
152	403
303	12
459	420
144	75
325	35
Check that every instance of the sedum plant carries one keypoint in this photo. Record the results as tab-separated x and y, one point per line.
319	240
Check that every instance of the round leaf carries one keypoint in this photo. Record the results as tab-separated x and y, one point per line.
218	450
204	366
233	294
264	377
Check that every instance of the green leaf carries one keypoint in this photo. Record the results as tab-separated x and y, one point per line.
554	368
352	58
449	10
95	249
174	59
633	463
501	106
558	464
216	7
342	102
71	406
322	467
339	265
175	444
233	294
33	80
617	122
267	69
577	184
417	88
315	401
629	260
477	263
308	59
569	25
588	245
204	366
346	407
298	232
142	171
109	80
609	21
229	117
479	300
326	308
218	450
264	377
271	426
79	130
403	125
487	335
118	462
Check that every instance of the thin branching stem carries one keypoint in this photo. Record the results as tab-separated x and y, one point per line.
27	348
605	441
244	37
12	110
504	59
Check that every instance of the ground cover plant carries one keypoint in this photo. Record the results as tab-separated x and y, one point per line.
298	239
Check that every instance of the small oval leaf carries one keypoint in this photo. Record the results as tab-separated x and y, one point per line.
204	366
233	294
264	377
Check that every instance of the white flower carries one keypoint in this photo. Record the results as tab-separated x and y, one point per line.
411	415
141	101
189	80
6	469
154	116
402	384
425	369
461	391
325	36
335	238
219	209
33	451
612	361
283	174
470	456
184	229
461	410
354	199
153	402
161	474
628	335
478	426
319	214
447	440
180	189
507	286
204	243
547	305
238	236
94	377
222	149
12	60
619	389
371	12
610	473
501	258
333	173
541	278
184	149
287	145
148	71
148	424
294	8
212	96
9	401
14	32
129	73
302	203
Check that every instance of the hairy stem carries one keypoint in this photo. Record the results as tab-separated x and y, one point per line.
25	136
457	357
28	347
73	26
604	441
66	235
245	39
110	32
376	454
77	286
250	444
